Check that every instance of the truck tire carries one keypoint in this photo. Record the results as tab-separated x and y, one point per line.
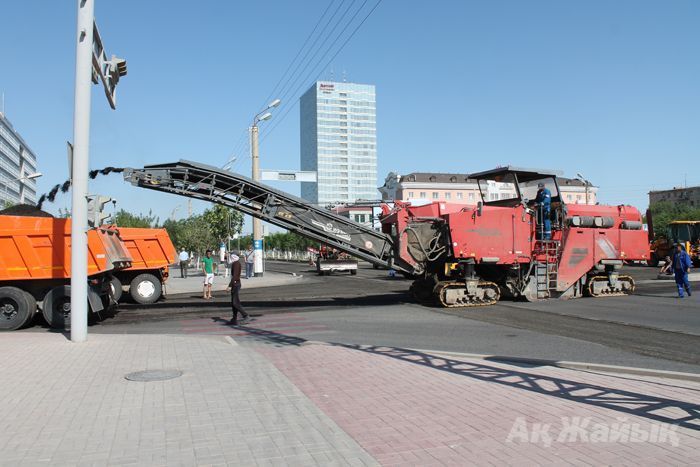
353	272
17	308
56	307
145	289
116	287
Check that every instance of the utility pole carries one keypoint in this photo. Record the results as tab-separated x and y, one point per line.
586	184
257	223
91	65
79	184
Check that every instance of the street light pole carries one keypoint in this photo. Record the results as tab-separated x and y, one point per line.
257	223
586	184
79	183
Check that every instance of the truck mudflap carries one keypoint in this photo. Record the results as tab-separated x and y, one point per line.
95	294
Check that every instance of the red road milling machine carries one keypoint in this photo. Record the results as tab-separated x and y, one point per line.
458	256
472	256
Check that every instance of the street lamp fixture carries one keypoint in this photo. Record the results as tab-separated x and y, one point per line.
257	223
31	176
23	179
264	117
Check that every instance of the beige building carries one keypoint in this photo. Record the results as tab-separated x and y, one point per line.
689	196
460	189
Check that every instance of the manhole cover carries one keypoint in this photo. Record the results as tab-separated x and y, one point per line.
153	375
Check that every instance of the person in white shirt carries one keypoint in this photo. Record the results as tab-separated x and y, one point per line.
184	263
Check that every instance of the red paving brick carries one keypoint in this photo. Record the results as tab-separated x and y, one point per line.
404	413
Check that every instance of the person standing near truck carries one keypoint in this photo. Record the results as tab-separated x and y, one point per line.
184	263
208	266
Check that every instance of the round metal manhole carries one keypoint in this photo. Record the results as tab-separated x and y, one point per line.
153	375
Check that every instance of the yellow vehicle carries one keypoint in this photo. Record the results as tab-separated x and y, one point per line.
687	233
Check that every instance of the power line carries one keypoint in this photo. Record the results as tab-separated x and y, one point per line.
325	39
352	34
242	141
272	93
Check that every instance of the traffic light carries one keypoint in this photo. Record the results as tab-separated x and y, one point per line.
96	215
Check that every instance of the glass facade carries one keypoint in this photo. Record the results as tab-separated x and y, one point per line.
339	142
16	161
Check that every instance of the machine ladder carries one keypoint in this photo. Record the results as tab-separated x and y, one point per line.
201	181
547	268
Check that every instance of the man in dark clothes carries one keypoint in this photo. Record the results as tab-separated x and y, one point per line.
235	287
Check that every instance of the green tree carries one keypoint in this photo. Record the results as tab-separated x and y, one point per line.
665	212
223	221
126	219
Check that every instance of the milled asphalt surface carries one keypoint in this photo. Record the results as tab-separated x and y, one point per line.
651	329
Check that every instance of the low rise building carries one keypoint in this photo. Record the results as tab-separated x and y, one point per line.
459	188
688	196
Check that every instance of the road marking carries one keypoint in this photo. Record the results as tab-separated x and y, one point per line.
230	340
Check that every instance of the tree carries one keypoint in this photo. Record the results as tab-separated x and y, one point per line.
664	212
126	219
223	221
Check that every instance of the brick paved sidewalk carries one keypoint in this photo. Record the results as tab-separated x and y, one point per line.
294	404
69	404
409	408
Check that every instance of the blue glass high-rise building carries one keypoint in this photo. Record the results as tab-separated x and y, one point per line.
339	142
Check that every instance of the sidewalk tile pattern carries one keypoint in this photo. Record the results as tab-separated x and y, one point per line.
407	408
69	404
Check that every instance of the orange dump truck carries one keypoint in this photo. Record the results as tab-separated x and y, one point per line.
35	269
152	252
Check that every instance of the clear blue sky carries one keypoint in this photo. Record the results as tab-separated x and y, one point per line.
609	89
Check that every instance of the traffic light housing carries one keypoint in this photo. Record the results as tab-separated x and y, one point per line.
96	214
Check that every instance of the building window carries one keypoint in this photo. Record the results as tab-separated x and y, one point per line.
435	195
471	196
459	195
423	194
410	194
569	197
448	195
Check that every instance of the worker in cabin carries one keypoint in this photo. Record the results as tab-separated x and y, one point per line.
681	267
543	200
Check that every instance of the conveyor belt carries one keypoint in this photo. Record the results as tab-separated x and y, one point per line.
201	181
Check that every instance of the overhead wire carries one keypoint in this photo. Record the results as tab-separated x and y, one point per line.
325	40
352	34
320	19
243	141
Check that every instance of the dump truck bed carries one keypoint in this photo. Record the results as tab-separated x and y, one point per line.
39	248
149	248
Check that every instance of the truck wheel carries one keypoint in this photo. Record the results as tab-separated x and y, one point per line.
145	289
56	307
116	287
17	308
353	272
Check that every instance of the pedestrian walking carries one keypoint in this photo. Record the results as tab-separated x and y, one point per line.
208	266
681	267
184	263
249	261
235	287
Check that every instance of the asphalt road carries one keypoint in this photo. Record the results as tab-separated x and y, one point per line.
650	329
